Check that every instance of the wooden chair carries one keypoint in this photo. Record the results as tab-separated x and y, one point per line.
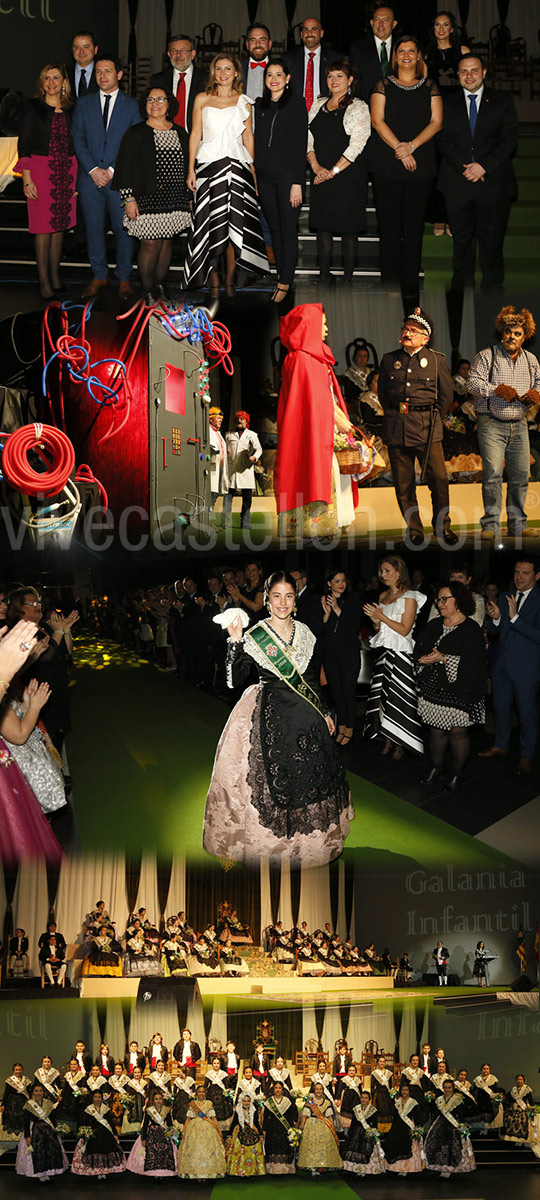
360	343
209	42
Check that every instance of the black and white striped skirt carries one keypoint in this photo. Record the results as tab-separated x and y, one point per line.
392	707
225	210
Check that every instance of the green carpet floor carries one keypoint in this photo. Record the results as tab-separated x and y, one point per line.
141	755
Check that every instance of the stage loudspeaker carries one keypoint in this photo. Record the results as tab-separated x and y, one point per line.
521	984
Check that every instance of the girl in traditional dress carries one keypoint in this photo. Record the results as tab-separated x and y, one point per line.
322	1075
75	1096
349	1095
49	1078
362	1152
245	1152
136	1093
279	1074
319	1123
279	1120
183	1094
447	1146
96	1082
418	1084
402	1148
13	1101
216	1084
517	1106
381	1079
118	1096
278	785
201	1154
154	1152
392	707
40	1153
159	1080
98	1152
103	957
487	1093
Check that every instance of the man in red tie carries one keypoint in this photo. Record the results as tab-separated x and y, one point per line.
258	46
308	62
182	77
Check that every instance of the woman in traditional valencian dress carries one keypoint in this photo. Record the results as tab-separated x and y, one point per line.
362	1154
319	1147
517	1109
278	785
98	1152
40	1153
279	1120
75	1096
154	1152
402	1149
49	1078
488	1093
447	1146
136	1094
215	1086
118	1097
201	1154
245	1145
183	1094
381	1080
13	1101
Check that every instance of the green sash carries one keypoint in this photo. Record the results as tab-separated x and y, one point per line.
281	664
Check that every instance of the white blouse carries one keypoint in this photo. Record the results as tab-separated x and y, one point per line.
389	639
356	123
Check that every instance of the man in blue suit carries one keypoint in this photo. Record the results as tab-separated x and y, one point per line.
515	673
99	124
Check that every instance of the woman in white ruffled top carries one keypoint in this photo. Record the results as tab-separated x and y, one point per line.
392	707
225	218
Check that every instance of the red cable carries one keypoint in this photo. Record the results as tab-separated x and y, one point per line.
85	473
17	469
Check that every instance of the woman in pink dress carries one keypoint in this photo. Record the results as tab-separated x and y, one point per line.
48	166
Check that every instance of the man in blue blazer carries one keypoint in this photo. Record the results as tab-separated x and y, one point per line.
99	124
515	672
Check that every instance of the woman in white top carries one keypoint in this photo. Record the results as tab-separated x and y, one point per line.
392	707
225	219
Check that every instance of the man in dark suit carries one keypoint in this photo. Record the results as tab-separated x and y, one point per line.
440	957
182	77
477	142
415	390
18	951
372	56
308	63
81	73
515	662
258	46
99	124
428	1061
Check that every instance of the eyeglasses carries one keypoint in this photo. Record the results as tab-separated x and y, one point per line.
33	604
443	599
157	100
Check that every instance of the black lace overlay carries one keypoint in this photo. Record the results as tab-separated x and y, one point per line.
295	775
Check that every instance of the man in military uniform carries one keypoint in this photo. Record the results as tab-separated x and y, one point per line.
415	390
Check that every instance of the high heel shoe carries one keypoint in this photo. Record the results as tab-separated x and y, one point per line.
431	775
213	287
340	734
453	784
347	736
279	293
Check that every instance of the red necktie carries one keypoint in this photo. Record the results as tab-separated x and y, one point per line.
309	81
180	118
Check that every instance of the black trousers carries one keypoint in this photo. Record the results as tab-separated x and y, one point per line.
247	495
478	222
282	218
402	464
341	668
400	216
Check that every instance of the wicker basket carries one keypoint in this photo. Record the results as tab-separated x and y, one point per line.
350	461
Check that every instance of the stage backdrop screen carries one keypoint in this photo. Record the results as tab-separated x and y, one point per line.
35	32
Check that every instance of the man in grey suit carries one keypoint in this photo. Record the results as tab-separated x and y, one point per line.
99	124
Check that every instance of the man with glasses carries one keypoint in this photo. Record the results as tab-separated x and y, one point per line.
182	77
515	662
415	390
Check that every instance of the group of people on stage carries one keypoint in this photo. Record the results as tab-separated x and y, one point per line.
34	718
224	154
181	1121
142	950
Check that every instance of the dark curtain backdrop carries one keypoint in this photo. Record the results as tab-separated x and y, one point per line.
206	888
53	876
169	9
10	883
503	6
242	1029
133	875
163	872
334	893
275	883
349	893
296	879
133	7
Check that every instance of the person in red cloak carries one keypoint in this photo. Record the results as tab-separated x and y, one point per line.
310	409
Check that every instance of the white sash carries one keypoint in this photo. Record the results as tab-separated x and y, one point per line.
185	1085
156	1116
138	1086
18	1085
382	1077
216	1077
99	1116
446	1111
518	1099
403	1110
73	1081
96	1084
38	1113
362	1115
483	1083
160	1081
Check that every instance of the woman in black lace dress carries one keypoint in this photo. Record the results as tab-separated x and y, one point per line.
154	1153
13	1101
406	114
278	785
